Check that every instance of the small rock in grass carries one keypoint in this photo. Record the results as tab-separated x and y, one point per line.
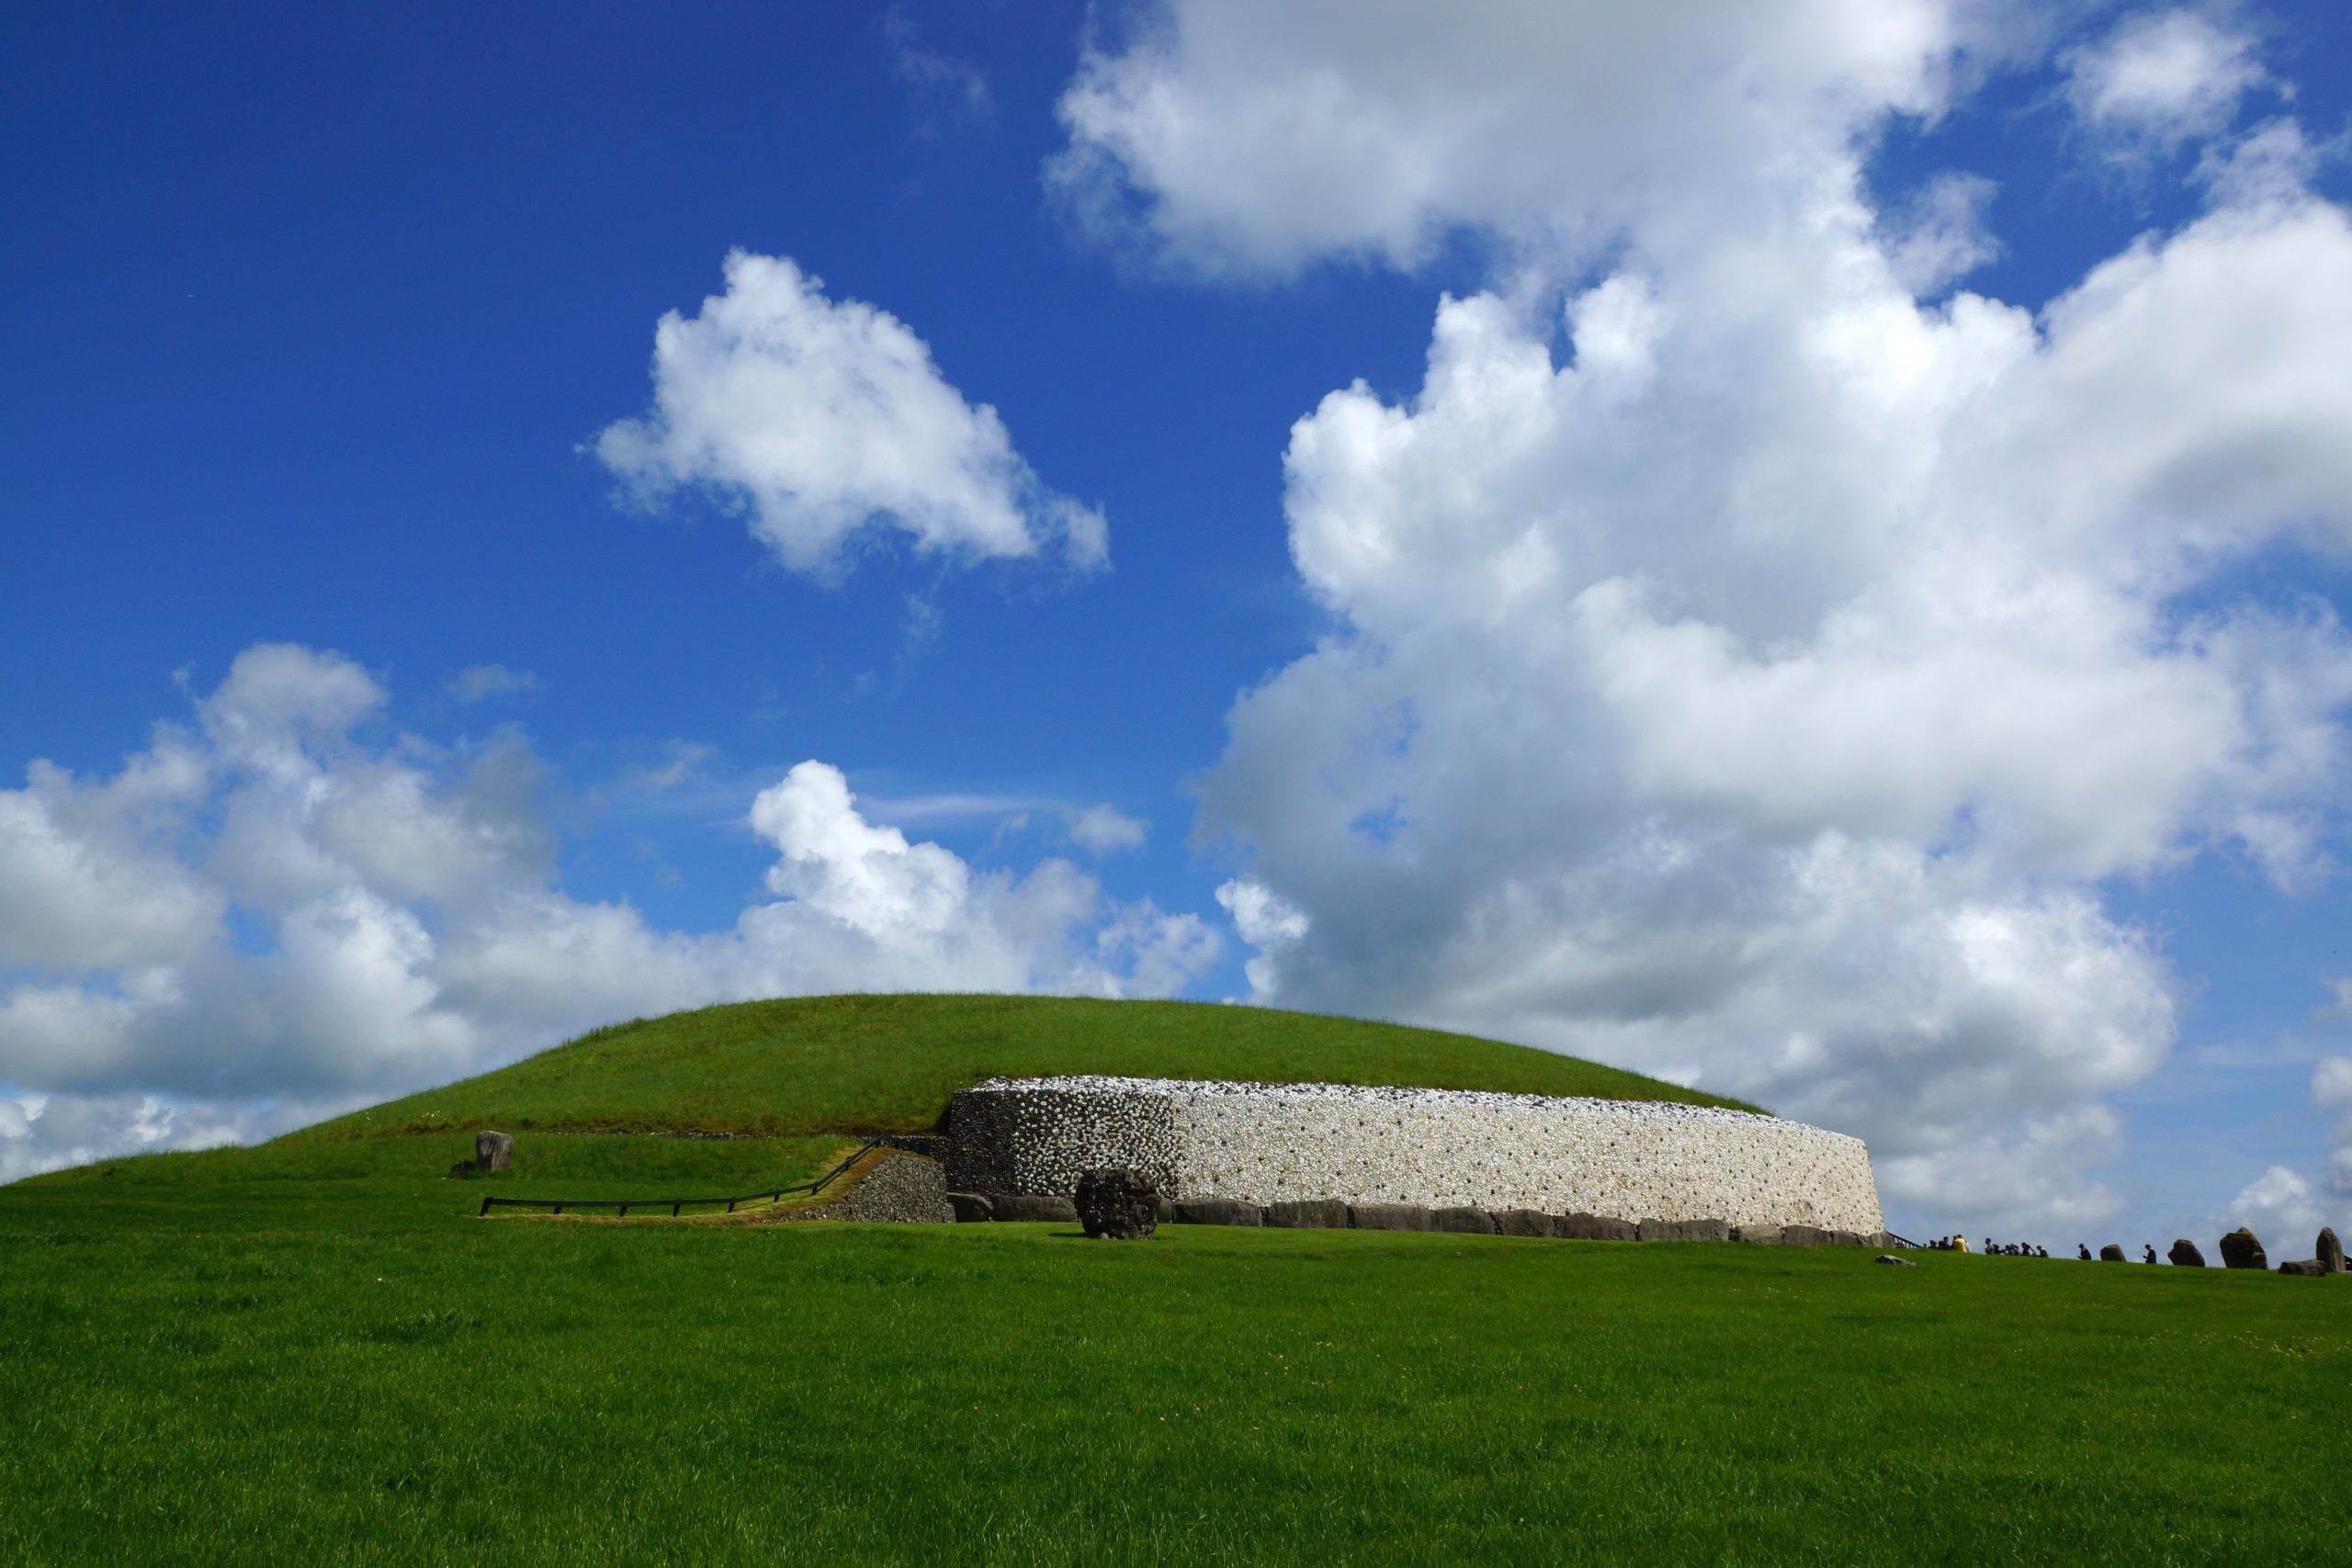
1525	1222
2241	1250
1308	1214
1387	1217
2111	1253
1117	1205
1898	1262
1464	1219
1032	1208
2308	1268
2331	1251
1218	1211
2184	1255
971	1208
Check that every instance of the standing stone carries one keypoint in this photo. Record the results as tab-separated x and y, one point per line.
2111	1253
1117	1205
493	1151
2241	1250
2185	1255
2331	1251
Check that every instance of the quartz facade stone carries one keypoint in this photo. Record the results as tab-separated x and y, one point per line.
1440	1148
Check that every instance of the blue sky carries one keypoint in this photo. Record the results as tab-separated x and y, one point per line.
317	318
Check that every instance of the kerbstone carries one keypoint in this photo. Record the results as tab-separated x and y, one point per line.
1308	1214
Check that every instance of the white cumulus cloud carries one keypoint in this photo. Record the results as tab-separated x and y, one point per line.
283	908
1752	670
826	422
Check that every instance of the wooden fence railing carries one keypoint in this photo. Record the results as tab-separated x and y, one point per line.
678	1206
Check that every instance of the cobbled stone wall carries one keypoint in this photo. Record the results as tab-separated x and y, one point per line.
1276	1143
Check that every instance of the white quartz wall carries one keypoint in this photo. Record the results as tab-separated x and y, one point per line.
1270	1143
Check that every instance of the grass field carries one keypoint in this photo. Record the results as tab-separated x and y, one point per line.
309	1350
887	1064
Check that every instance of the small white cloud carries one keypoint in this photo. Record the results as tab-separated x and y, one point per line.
1104	830
2278	1203
2158	80
1939	236
480	682
826	422
947	93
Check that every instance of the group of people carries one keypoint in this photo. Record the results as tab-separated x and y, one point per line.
2020	1248
1992	1248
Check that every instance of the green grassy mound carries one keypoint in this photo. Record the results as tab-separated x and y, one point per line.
245	1368
887	1064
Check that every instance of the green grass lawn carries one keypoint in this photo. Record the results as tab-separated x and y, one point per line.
887	1064
310	1351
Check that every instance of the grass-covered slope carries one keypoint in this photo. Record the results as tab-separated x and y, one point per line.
887	1064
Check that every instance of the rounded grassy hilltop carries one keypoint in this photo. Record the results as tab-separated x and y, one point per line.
859	1064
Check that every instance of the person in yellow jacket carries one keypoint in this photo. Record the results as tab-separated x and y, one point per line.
1960	1243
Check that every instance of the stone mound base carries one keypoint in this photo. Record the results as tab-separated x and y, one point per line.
1267	1144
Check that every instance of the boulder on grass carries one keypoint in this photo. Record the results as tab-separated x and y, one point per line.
2309	1268
1032	1208
2331	1251
1524	1222
1464	1219
2111	1253
1218	1211
971	1208
1387	1217
1898	1262
2184	1255
492	1151
1308	1215
1117	1204
2241	1250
